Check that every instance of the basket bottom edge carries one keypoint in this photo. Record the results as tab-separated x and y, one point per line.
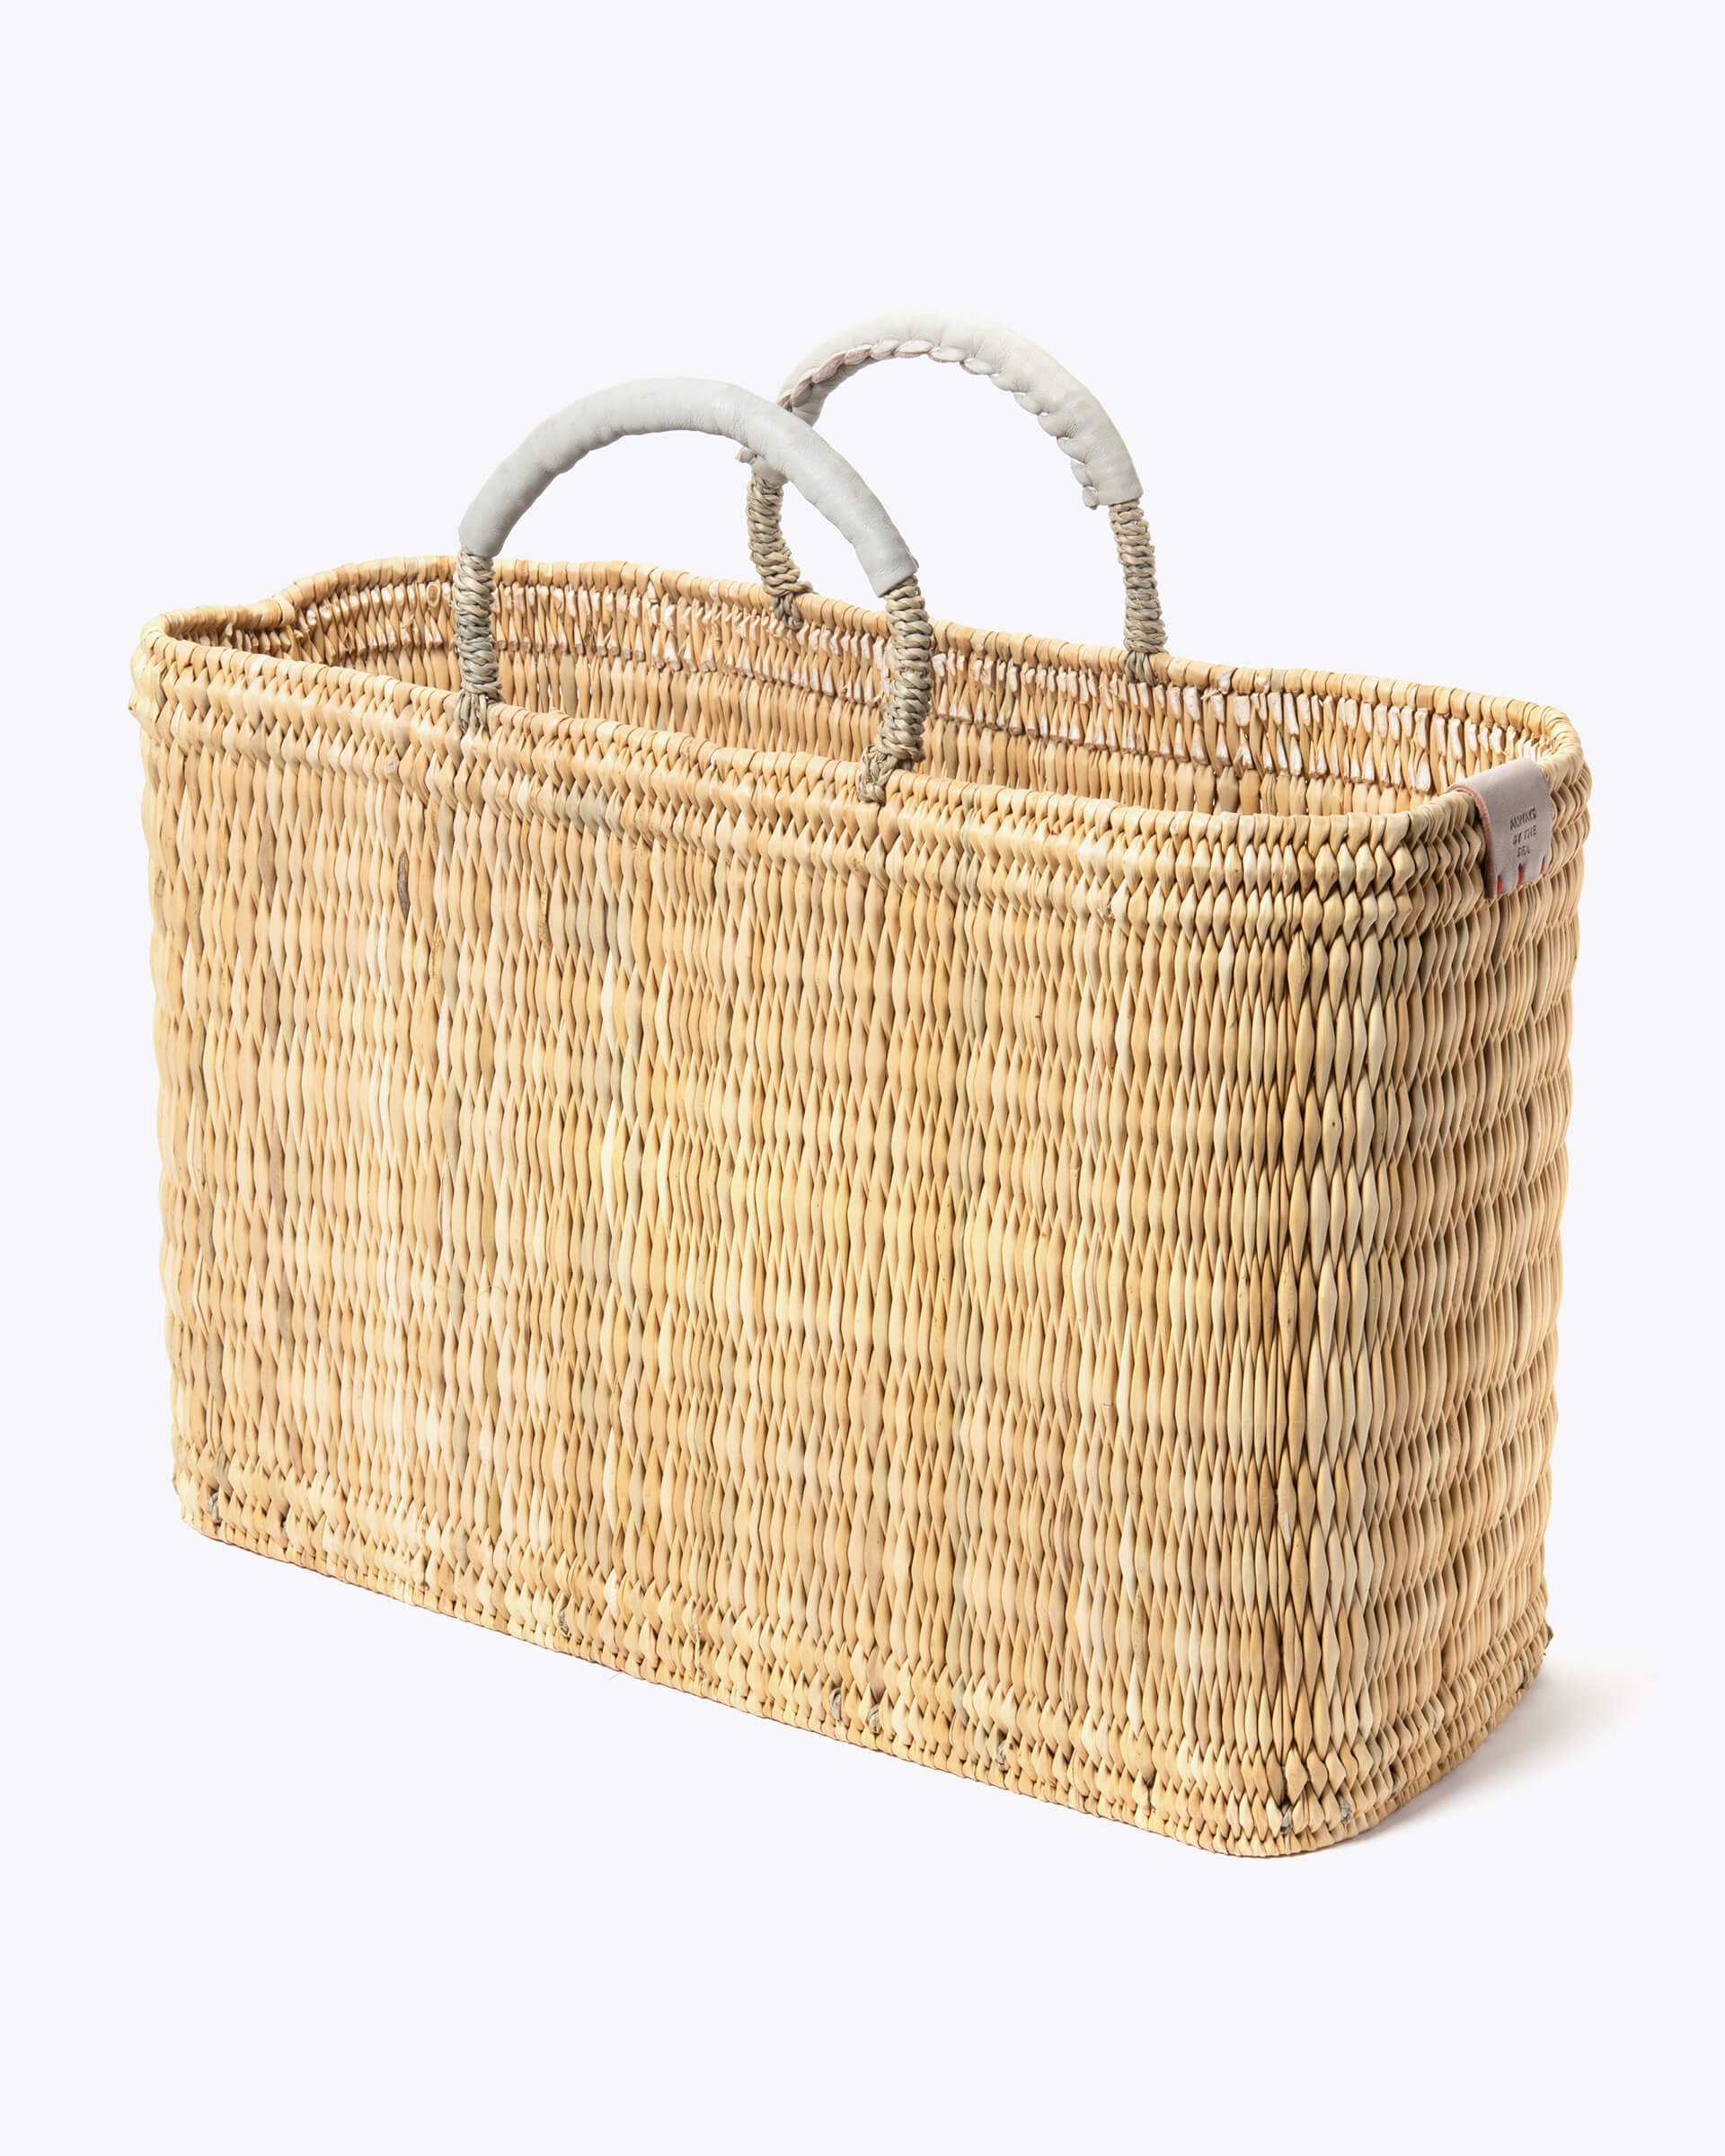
1481	1697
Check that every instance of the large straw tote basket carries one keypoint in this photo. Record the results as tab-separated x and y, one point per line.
993	1199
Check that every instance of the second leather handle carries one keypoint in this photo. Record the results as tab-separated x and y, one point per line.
1063	407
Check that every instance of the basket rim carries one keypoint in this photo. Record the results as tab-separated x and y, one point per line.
523	745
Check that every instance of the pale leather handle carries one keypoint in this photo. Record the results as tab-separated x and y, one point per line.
1062	405
675	406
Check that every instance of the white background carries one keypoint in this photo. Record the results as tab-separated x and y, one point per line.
1411	316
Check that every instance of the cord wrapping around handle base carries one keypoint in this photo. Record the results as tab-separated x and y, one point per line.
898	739
475	649
768	550
1145	632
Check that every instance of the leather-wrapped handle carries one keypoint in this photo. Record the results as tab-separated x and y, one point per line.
1061	404
679	405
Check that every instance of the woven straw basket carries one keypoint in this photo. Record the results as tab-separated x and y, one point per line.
994	1200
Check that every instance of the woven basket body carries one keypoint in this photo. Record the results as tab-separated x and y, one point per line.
1054	1277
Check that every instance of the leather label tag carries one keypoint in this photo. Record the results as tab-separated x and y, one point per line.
1515	804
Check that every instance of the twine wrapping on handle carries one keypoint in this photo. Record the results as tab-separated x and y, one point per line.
1145	633
475	647
768	551
899	743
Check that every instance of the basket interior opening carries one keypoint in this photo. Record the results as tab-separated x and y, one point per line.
676	653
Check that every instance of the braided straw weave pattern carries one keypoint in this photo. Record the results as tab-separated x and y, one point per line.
1053	1276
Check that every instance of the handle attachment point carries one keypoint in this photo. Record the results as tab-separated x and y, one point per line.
475	647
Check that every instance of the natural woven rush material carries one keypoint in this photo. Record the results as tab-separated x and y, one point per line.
1054	1276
